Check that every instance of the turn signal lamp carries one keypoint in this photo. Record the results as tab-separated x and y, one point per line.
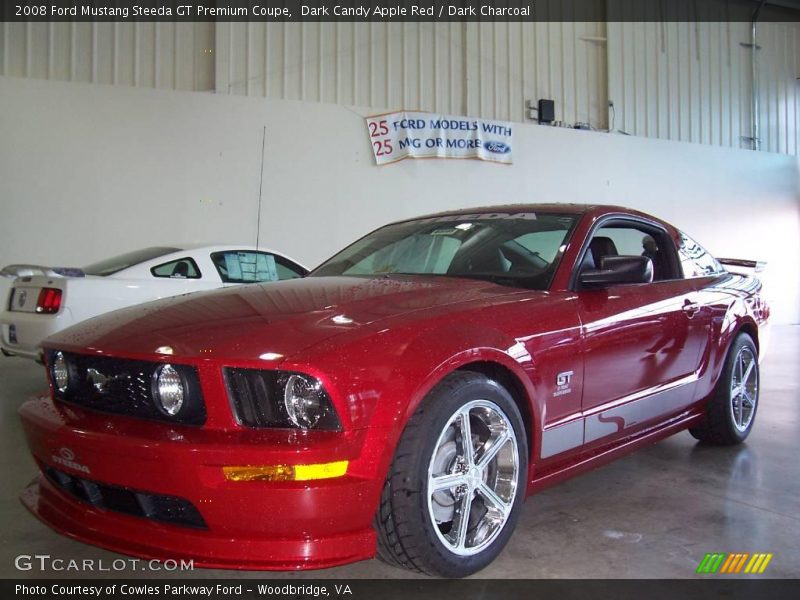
286	472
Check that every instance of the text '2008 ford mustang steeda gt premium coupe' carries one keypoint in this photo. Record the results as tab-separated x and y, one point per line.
402	399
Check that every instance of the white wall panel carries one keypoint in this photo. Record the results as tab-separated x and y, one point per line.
163	55
510	63
779	69
693	82
681	81
397	65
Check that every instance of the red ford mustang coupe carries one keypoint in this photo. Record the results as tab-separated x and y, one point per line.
403	399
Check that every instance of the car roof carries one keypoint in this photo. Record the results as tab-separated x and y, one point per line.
553	207
200	247
205	245
180	251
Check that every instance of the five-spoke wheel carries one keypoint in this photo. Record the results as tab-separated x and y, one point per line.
731	408
457	481
744	388
472	477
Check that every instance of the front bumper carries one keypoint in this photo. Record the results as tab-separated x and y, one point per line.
248	525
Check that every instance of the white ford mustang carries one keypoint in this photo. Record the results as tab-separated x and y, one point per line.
43	300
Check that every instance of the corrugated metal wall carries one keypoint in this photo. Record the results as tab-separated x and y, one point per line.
486	70
511	63
693	82
412	65
673	80
779	87
156	55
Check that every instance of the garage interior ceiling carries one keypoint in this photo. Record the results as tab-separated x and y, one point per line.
680	81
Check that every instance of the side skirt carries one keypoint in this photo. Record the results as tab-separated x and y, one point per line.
605	454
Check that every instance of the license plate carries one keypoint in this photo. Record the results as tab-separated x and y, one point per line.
24	299
12	334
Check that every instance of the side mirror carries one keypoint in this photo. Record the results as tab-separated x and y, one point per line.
615	270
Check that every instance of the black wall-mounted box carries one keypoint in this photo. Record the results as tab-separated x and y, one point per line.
547	111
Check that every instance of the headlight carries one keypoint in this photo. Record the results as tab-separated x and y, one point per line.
303	399
60	372
280	399
168	389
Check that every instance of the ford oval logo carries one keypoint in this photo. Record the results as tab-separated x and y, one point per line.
497	147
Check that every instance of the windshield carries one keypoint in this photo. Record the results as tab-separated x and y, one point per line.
517	249
123	261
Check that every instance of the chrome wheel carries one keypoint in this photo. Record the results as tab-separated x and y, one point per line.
744	388
472	477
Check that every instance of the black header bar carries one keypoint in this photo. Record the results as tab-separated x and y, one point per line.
400	589
397	10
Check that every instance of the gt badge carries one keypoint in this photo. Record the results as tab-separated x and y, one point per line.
563	383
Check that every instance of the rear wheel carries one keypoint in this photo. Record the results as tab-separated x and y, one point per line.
731	411
457	481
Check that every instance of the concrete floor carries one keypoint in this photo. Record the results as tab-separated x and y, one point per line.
653	514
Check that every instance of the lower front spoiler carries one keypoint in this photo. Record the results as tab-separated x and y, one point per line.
125	534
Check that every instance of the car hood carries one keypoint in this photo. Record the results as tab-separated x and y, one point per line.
282	318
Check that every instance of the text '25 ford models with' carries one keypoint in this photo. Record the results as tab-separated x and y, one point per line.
403	399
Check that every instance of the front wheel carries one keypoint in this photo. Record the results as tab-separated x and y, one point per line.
457	481
731	410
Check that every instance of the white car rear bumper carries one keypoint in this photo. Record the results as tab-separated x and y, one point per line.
30	329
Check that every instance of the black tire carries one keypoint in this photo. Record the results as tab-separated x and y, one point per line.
720	424
405	524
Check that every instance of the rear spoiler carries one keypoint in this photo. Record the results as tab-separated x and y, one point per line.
33	270
756	265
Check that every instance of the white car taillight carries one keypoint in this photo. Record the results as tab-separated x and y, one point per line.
49	301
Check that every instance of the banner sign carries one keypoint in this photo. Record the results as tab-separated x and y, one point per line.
405	134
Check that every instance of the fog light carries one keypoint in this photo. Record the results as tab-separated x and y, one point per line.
60	372
287	472
168	389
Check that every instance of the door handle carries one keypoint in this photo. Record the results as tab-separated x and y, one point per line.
691	308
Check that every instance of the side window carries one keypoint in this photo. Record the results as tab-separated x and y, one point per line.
183	268
289	270
695	261
247	266
628	239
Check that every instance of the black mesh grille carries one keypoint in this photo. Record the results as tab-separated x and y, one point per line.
123	386
167	509
256	397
